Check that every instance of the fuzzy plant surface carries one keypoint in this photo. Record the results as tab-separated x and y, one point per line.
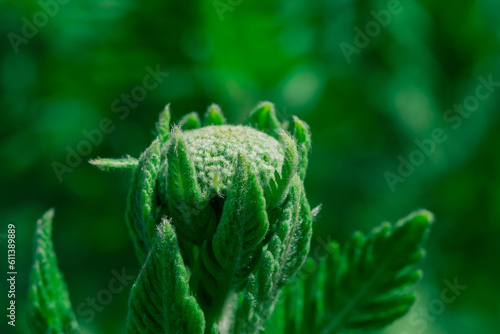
222	227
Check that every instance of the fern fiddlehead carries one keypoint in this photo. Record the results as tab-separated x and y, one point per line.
220	223
234	195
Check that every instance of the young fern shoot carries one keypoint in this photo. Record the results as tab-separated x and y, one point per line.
221	225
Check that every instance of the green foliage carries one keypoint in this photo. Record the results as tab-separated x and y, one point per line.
50	308
278	187
186	204
363	115
235	249
160	300
221	225
141	201
281	260
362	285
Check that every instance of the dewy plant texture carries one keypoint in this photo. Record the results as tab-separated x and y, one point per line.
222	227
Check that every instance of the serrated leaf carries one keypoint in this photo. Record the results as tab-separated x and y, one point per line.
191	214
141	201
160	300
285	254
49	309
294	232
369	292
302	134
113	165
246	319
365	284
235	249
278	188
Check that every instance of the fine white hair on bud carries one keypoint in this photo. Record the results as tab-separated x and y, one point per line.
234	195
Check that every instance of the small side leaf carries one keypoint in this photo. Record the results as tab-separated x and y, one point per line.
190	121
302	134
277	190
49	309
114	165
214	116
264	118
163	125
160	300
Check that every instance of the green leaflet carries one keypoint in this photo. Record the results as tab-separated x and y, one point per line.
284	256
247	319
214	116
141	201
235	249
160	300
263	117
190	121
243	224
163	125
112	165
302	134
190	212
277	190
363	285
49	309
289	246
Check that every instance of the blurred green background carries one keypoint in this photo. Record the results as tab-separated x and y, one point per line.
365	110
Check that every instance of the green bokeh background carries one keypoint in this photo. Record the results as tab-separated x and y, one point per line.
364	114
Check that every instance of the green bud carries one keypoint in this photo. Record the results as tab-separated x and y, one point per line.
234	195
